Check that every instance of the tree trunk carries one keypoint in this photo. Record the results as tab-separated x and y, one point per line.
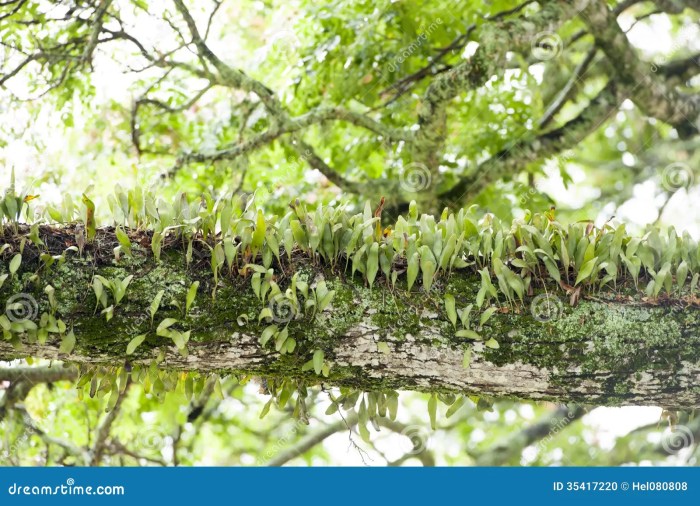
607	350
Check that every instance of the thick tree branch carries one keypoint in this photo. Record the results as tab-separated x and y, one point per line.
496	40
36	375
651	94
606	350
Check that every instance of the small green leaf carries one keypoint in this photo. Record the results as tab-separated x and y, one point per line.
155	304
67	343
164	325
108	312
135	343
15	263
382	347
455	406
487	314
123	239
191	294
266	408
281	338
413	267
267	334
450	307
266	312
467	358
492	343
372	263
681	274
585	271
469	334
318	361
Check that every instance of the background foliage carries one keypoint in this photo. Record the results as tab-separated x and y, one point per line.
70	123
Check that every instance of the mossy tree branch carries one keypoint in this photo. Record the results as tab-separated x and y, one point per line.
612	348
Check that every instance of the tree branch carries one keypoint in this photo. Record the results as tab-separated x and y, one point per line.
497	40
104	428
310	440
567	91
523	152
503	452
625	361
654	97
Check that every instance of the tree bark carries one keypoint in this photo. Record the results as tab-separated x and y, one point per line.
609	349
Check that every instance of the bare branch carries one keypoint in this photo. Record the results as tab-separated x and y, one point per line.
547	426
96	30
310	440
566	92
104	428
522	152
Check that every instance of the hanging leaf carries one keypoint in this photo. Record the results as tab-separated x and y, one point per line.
432	411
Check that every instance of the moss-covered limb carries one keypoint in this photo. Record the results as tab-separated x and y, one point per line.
496	40
609	349
652	95
35	375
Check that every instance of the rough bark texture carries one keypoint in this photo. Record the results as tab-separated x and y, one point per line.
610	349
